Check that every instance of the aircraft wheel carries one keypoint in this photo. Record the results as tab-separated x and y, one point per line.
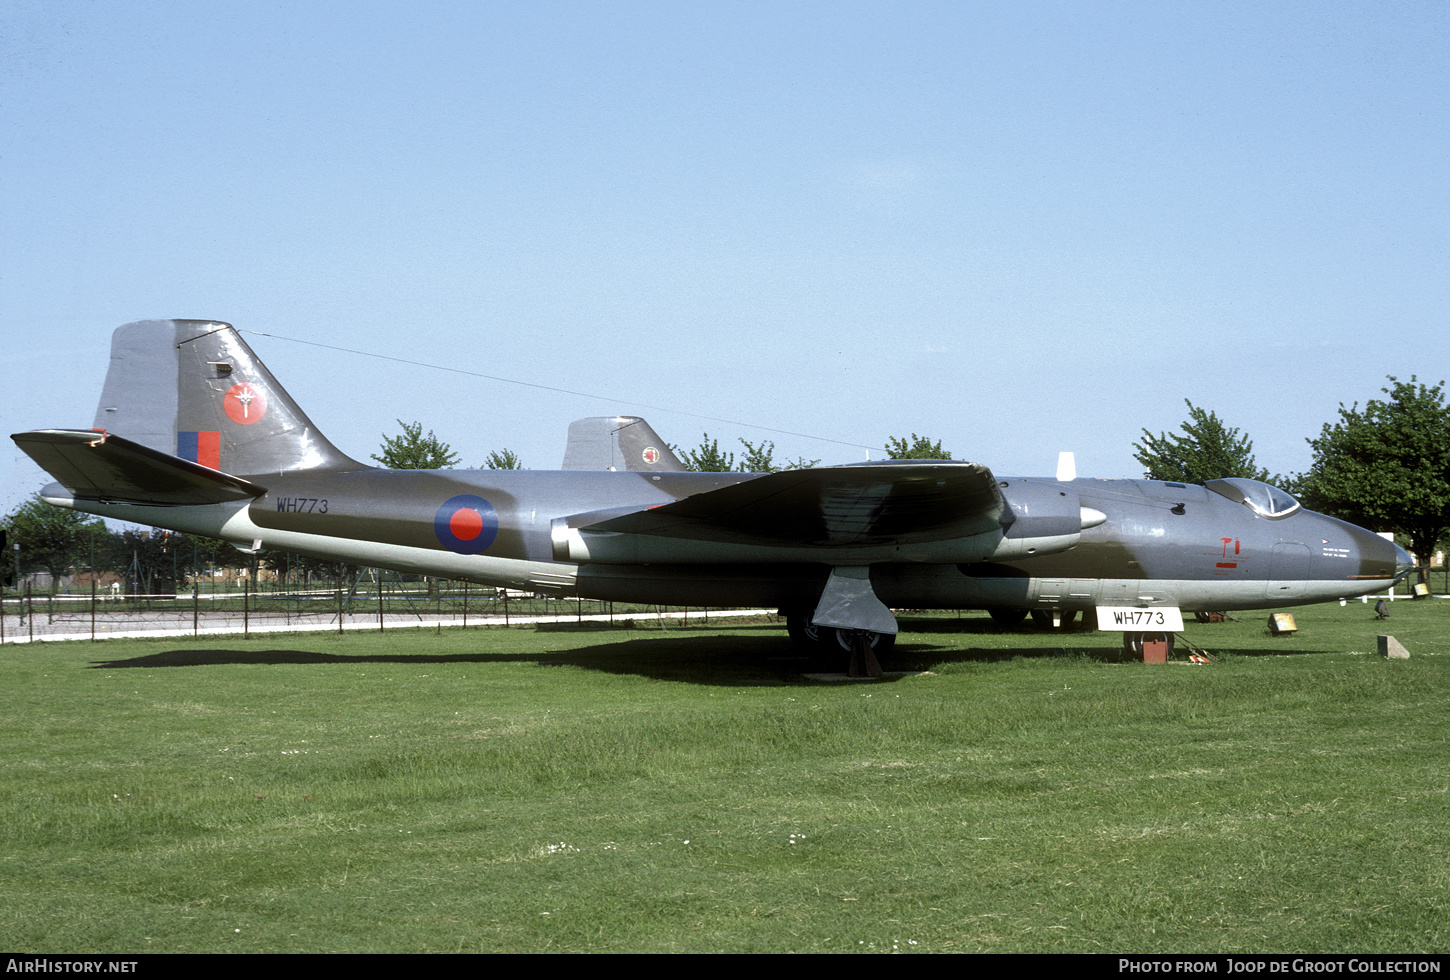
880	643
806	634
1133	642
1006	615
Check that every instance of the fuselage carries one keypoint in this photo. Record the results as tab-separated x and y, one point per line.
1160	544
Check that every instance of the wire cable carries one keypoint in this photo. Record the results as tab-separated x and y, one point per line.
567	391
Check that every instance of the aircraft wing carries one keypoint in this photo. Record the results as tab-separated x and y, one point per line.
905	501
95	465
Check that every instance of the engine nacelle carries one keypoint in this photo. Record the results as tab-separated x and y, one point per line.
1047	517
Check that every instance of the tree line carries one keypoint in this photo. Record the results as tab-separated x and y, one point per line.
412	450
1385	467
760	457
151	561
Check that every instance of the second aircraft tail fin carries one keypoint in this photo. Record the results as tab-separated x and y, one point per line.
617	443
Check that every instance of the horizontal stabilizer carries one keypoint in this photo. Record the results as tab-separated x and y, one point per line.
899	502
95	465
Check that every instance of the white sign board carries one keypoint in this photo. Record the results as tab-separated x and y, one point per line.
1138	619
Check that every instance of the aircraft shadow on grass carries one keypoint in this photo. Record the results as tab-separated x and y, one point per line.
703	660
681	655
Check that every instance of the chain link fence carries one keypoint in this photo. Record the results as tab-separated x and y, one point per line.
366	605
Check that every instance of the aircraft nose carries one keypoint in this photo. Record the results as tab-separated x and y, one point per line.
1404	564
1380	558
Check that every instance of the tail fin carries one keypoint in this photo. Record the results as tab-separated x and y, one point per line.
194	389
624	443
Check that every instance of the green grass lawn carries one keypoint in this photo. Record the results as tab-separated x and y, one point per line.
688	789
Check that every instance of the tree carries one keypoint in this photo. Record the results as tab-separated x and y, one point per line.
760	458
51	538
153	560
502	459
757	458
1207	450
290	565
414	451
1387	467
919	447
708	458
215	553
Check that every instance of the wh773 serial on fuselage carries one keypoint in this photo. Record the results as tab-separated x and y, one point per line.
194	434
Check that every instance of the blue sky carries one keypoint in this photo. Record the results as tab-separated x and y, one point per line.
1014	227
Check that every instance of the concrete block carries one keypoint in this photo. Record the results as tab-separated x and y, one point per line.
1391	648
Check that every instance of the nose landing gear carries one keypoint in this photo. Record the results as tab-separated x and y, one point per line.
1149	647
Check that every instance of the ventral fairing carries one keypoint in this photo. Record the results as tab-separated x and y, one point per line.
194	434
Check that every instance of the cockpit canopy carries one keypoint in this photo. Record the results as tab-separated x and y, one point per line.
1262	499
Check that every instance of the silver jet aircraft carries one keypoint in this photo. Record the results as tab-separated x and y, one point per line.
194	434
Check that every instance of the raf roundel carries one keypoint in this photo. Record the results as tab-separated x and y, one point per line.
245	403
466	524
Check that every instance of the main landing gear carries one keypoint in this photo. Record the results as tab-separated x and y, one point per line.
862	646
